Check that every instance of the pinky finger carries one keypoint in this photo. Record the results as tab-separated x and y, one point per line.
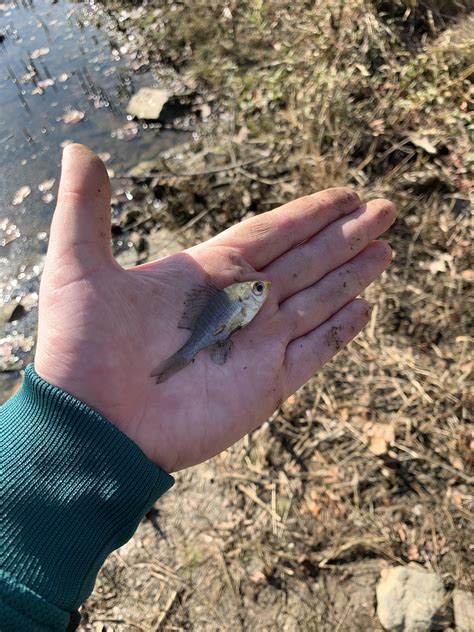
306	355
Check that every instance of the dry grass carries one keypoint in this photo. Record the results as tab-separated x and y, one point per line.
371	462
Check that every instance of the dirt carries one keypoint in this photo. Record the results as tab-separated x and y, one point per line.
370	463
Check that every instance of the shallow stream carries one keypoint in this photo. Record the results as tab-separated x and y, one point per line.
67	72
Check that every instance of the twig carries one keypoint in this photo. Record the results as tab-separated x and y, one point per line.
422	457
227	574
253	496
251	176
166	611
191	174
344	616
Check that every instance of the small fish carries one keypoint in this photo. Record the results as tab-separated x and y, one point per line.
213	316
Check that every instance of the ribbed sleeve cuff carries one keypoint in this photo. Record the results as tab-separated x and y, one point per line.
74	488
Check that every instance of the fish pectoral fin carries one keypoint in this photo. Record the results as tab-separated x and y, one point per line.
219	330
221	351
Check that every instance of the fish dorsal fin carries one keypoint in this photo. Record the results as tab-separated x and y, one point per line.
196	301
221	351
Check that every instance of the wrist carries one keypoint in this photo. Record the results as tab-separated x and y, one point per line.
74	485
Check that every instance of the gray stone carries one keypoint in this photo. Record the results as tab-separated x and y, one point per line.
408	598
126	258
463	605
147	103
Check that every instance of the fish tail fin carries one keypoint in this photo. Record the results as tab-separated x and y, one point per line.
170	366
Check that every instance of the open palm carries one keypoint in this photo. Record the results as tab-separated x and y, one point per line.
103	329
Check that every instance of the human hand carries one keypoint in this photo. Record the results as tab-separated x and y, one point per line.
102	329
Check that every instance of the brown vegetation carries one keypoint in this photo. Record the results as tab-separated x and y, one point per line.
371	462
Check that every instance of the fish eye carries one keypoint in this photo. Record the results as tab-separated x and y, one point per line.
258	287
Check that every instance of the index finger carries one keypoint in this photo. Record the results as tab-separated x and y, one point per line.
263	238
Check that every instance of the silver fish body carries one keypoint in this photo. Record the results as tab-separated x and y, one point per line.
213	316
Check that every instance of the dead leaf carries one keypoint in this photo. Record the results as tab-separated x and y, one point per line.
29	75
257	577
8	232
126	132
22	193
39	52
344	414
205	111
73	116
46	185
312	507
45	83
363	70
457	463
241	135
62	77
467	367
379	437
9	346
47	198
423	142
454	497
29	300
104	156
441	264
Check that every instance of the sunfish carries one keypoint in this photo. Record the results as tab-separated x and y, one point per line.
213	316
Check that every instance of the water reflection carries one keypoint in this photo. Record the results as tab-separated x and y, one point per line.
62	79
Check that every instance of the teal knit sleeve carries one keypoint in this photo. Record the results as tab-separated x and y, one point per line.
73	488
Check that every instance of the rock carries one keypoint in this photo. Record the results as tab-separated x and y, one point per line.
463	604
165	242
147	103
8	231
13	351
408	598
71	117
126	132
6	312
127	258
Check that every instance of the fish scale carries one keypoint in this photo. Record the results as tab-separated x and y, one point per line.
217	312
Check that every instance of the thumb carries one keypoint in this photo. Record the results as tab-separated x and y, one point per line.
81	221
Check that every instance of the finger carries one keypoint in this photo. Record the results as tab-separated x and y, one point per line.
81	221
263	238
306	355
337	243
311	307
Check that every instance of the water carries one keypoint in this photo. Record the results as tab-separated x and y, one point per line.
57	64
